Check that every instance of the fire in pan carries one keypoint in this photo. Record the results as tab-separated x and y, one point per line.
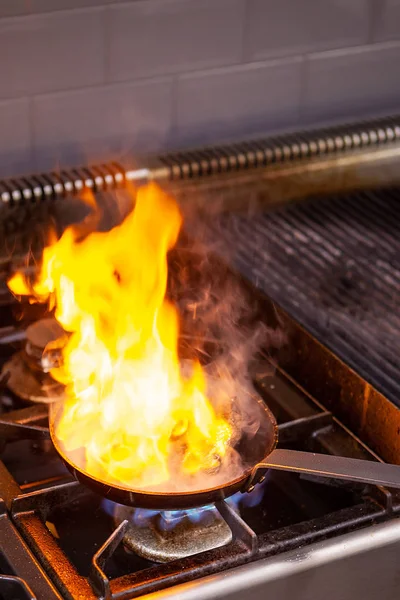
258	454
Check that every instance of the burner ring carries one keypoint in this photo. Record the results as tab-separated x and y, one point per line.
31	386
156	542
43	347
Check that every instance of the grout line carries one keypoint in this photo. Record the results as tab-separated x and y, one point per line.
77	9
46	13
154	78
94	87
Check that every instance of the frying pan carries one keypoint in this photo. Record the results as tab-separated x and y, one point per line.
258	454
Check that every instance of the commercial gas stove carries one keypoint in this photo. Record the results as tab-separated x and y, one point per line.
324	275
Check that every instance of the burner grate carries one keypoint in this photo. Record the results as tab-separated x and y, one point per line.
334	264
15	587
21	577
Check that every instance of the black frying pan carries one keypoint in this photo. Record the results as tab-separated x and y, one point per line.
258	454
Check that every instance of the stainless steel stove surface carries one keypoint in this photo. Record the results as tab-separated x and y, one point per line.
294	536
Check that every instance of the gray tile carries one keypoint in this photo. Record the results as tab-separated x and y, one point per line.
169	36
238	101
15	138
283	27
42	53
53	5
98	124
10	8
387	25
352	82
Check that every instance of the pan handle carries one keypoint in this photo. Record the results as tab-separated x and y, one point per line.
326	465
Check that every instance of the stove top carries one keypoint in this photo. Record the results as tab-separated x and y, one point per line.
333	265
64	541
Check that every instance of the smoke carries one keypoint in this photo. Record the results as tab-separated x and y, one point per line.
221	326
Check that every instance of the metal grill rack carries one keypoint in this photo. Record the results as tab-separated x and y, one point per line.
334	264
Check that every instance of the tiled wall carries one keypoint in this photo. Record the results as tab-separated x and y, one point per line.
90	80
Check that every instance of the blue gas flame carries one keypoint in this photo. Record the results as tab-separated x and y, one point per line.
169	519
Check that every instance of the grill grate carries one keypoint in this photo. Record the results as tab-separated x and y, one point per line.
334	264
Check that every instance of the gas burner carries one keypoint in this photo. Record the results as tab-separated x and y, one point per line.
171	535
28	371
163	536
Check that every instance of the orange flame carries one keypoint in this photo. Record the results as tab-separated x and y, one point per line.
128	404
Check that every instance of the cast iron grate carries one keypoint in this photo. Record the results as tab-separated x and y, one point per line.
21	577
